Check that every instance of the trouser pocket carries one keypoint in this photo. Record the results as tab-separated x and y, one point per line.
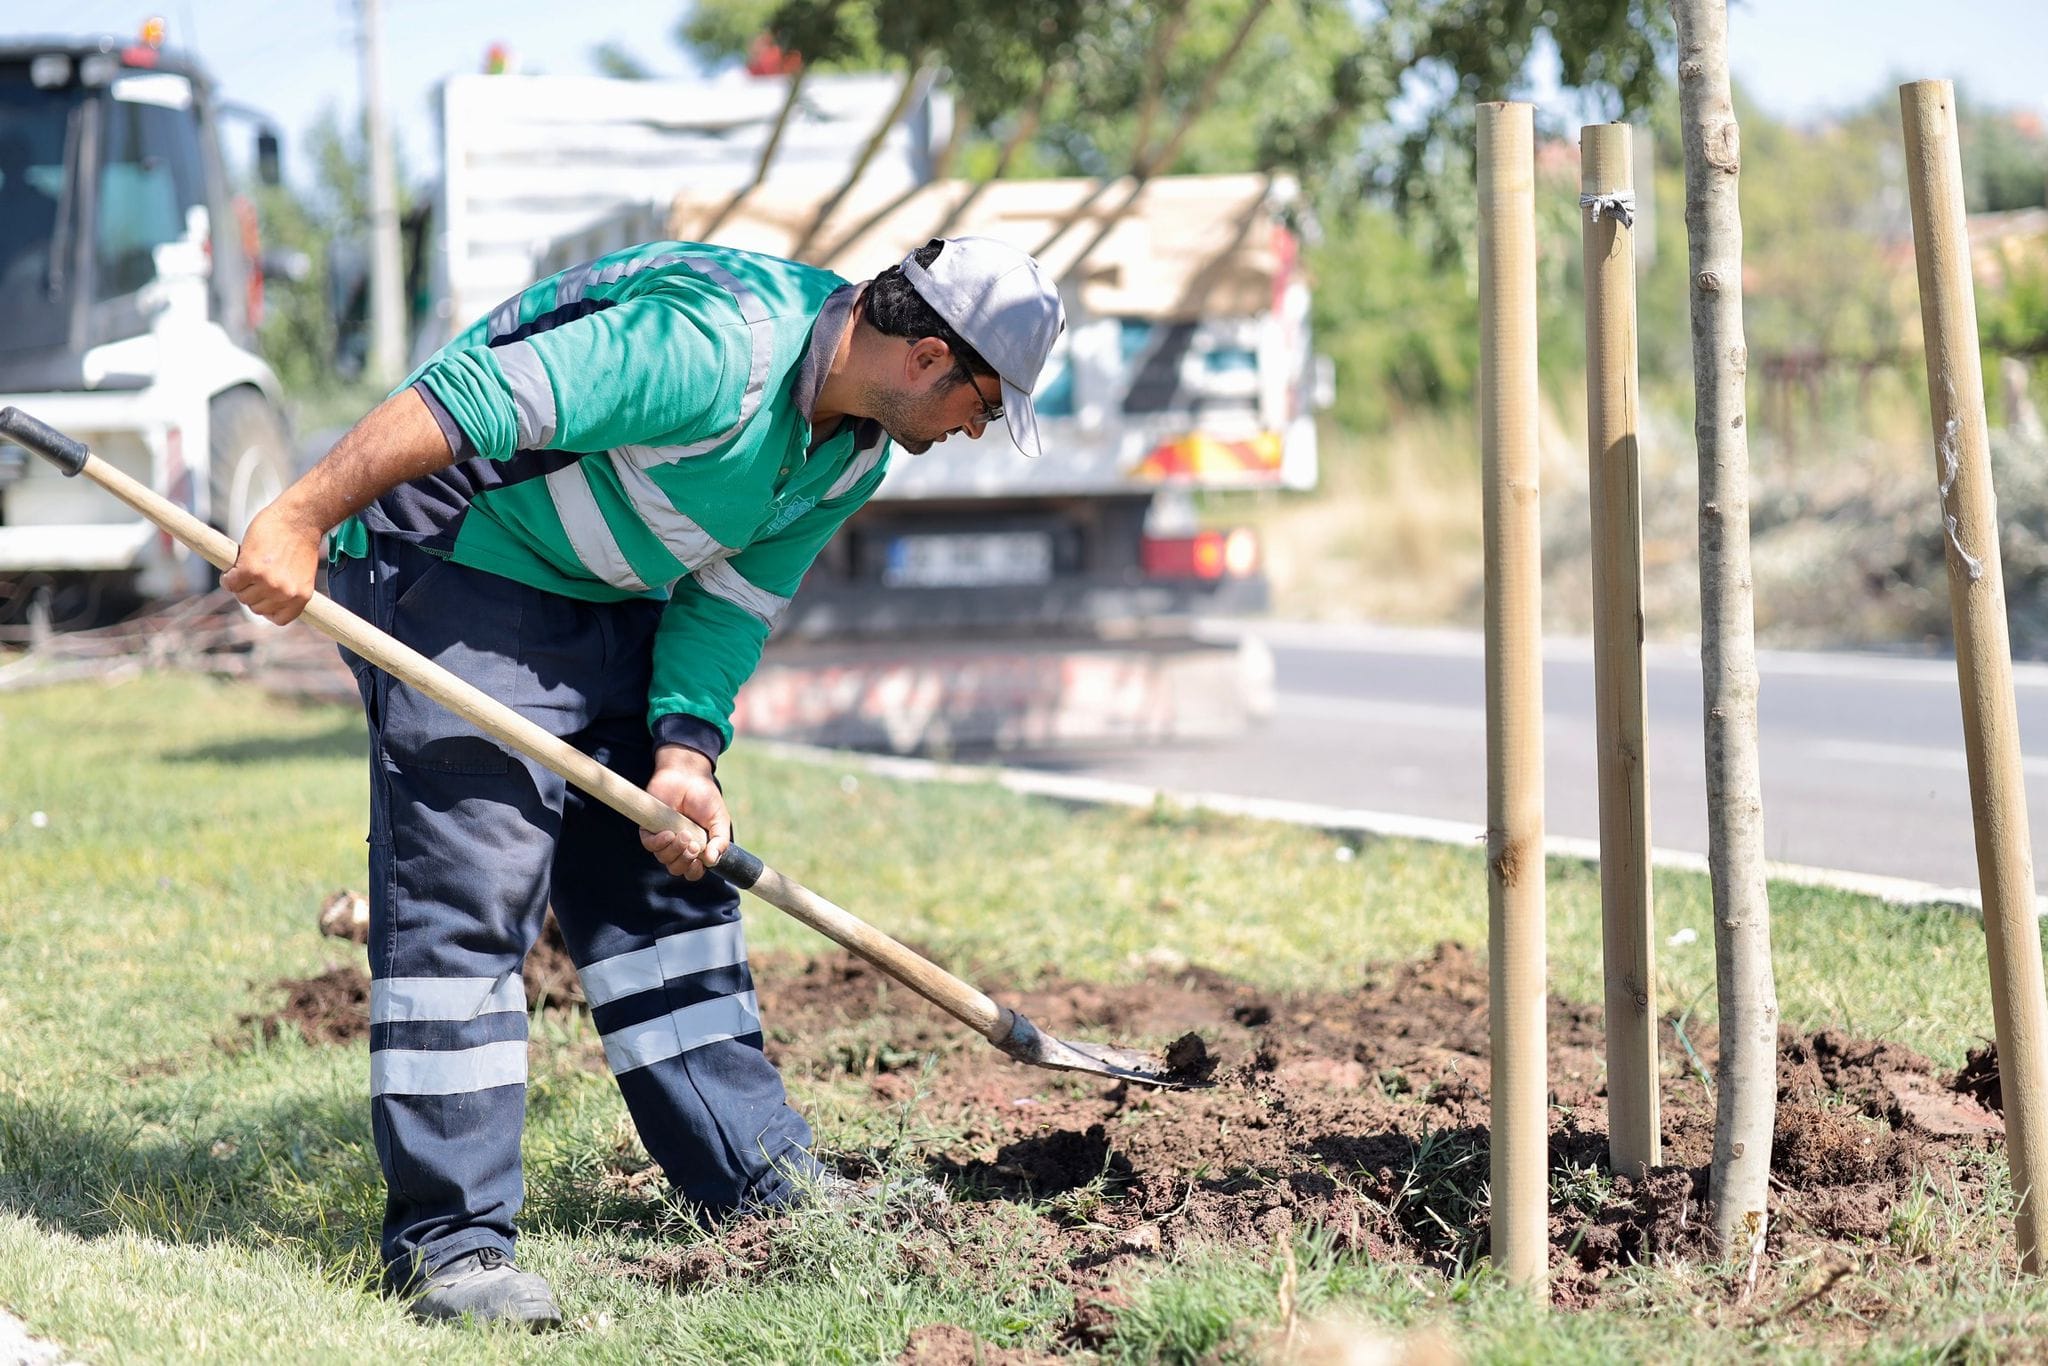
468	622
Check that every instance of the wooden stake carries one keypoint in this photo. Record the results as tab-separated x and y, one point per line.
1514	689
1976	595
1607	180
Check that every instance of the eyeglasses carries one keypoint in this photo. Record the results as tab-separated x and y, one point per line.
991	413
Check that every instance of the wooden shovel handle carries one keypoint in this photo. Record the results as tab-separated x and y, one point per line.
738	866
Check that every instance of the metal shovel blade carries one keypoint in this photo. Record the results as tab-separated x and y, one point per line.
1187	1065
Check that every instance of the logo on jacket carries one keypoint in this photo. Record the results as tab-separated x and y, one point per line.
790	511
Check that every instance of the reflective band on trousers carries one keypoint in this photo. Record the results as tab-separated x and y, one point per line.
677	955
679	1031
395	1000
447	1072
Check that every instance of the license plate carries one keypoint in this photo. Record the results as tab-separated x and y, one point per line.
969	560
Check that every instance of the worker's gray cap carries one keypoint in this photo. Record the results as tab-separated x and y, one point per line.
1005	306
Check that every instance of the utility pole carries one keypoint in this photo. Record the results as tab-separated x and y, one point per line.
387	272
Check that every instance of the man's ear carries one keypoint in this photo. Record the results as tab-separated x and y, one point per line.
927	356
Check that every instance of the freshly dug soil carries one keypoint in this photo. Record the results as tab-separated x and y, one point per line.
1364	1114
943	1344
1361	1114
334	1007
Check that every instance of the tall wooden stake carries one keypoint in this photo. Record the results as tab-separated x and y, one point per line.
1514	689
1976	596
1746	1090
1607	199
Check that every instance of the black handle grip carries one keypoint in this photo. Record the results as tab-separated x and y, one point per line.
739	867
45	440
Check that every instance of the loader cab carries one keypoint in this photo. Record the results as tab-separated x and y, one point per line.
110	152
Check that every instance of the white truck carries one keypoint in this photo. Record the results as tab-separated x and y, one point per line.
130	292
981	598
1186	366
529	161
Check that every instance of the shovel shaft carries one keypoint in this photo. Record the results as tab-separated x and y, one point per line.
958	999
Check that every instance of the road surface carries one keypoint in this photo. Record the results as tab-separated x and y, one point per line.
1862	754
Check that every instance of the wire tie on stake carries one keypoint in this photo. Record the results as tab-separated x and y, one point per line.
1951	470
1620	203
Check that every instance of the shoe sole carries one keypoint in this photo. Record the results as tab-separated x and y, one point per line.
537	1317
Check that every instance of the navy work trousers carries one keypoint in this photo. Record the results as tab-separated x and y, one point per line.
469	843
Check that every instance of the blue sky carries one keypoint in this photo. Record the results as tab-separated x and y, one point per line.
290	58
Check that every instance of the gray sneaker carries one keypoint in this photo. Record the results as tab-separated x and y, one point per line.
484	1285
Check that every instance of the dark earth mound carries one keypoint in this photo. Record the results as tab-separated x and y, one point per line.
1360	1115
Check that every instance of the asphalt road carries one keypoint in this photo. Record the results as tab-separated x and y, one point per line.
1862	754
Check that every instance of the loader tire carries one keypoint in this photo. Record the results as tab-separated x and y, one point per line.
252	458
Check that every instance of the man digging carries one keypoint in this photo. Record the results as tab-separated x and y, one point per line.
593	505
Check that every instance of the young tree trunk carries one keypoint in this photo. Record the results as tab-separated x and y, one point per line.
916	78
767	158
1746	1087
1145	164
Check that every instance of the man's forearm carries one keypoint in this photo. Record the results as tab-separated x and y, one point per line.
396	441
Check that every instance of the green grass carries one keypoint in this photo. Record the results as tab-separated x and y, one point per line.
161	1198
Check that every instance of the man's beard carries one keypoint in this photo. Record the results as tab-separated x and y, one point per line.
903	419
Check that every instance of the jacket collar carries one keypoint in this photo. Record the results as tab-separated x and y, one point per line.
835	315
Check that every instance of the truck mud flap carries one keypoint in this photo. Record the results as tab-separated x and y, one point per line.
1008	696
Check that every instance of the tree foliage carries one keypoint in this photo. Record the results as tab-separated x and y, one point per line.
302	335
299	335
619	62
1402	328
2005	158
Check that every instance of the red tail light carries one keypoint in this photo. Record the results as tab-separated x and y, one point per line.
1230	554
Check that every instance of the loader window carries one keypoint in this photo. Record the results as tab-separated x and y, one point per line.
150	175
32	136
39	134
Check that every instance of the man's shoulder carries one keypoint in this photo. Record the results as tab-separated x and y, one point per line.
763	285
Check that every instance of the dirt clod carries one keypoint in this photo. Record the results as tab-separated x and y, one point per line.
346	915
1187	1060
1979	1078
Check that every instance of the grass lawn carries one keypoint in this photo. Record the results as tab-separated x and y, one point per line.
164	844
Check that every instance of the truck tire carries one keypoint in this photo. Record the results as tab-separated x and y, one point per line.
251	455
